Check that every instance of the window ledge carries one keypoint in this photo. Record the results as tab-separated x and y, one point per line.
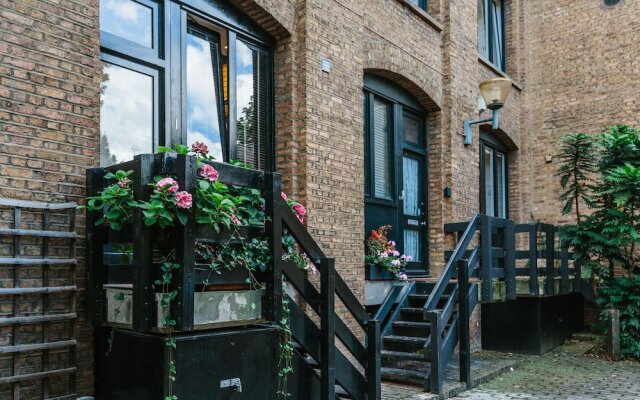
498	71
423	14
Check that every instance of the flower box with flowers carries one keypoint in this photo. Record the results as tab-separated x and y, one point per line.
223	208
383	261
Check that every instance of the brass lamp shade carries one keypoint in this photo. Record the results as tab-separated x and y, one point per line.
495	92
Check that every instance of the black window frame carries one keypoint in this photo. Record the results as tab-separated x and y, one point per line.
490	32
489	140
167	57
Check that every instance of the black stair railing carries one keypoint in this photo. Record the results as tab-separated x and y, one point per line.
337	371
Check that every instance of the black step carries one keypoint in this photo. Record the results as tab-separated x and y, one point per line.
411	328
401	355
404	375
404	343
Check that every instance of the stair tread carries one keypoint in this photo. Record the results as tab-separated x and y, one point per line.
412	324
411	339
402	373
412	309
402	355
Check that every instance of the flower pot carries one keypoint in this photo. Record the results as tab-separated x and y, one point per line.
375	273
216	309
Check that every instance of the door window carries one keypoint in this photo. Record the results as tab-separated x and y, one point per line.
493	180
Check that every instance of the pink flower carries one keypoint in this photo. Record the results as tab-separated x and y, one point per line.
200	148
234	219
392	243
395	253
284	196
403	277
312	268
300	210
184	199
300	218
383	254
124	182
409	258
208	172
168	185
395	262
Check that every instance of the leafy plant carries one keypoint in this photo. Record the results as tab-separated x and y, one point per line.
382	253
115	202
624	294
577	151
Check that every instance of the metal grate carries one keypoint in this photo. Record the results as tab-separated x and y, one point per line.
37	299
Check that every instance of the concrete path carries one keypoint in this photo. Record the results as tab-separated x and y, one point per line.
563	374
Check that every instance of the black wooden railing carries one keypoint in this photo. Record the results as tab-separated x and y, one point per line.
489	251
336	369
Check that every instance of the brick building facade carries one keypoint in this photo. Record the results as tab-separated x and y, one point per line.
573	64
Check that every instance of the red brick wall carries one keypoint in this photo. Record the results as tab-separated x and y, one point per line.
49	101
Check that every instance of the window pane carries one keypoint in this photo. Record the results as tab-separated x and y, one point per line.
203	92
488	182
496	20
128	19
410	177
382	150
420	3
483	29
411	130
501	185
412	244
251	99
126	114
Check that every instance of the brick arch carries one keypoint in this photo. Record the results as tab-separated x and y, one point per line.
427	91
505	138
277	17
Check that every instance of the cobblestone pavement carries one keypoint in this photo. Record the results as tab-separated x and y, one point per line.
563	374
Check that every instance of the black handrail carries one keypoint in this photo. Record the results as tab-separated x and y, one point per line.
334	366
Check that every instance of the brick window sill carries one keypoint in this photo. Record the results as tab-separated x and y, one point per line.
423	15
498	71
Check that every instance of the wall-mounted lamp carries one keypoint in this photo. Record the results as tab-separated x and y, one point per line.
494	92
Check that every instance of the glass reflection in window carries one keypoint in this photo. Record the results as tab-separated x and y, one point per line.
382	149
251	97
126	114
127	19
203	91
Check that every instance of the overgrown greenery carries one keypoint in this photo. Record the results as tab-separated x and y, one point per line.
602	172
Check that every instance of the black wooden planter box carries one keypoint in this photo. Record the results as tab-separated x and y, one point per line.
375	273
206	362
531	325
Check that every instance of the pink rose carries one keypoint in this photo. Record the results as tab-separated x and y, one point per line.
409	258
208	172
392	243
284	196
300	210
200	148
168	185
403	277
234	219
184	199
124	182
395	262
395	253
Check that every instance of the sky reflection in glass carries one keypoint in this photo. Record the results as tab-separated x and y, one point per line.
203	122
126	114
127	19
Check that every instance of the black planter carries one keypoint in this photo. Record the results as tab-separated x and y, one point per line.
209	365
374	273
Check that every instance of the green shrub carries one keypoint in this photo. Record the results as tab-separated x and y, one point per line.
624	294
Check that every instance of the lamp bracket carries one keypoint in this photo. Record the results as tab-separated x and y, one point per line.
468	132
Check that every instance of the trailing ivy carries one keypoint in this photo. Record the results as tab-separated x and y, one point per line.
285	360
168	323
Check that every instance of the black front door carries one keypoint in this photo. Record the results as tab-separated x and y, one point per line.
396	171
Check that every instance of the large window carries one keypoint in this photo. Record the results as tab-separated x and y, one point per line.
494	183
491	42
174	74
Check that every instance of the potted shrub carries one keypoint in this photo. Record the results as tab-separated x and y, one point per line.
383	261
